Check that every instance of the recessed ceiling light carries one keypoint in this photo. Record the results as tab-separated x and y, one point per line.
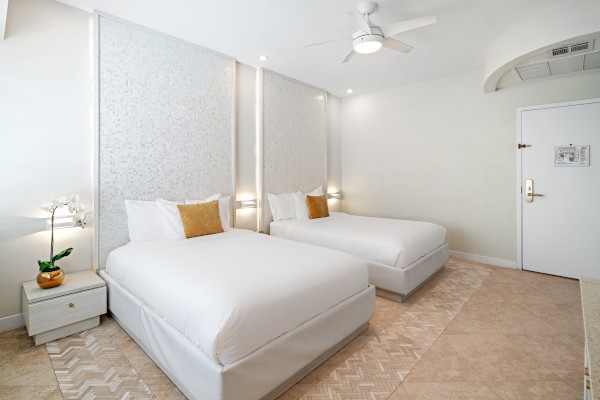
263	58
349	91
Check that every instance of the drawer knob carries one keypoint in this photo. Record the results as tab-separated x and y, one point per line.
71	305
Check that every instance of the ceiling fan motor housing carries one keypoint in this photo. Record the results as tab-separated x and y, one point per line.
366	7
365	42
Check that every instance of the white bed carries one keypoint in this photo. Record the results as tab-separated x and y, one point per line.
402	255
237	314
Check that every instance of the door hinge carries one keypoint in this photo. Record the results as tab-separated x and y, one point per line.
522	146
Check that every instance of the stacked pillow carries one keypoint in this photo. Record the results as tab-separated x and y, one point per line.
317	206
293	205
162	219
200	219
144	221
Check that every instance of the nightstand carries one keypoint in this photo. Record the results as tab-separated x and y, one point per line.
72	307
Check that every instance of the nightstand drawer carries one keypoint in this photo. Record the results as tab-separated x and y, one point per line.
60	311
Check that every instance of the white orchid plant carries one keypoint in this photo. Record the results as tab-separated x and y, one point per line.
81	220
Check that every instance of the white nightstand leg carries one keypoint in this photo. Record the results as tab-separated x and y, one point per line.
61	332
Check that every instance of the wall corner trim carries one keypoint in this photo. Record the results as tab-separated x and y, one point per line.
497	262
3	18
11	322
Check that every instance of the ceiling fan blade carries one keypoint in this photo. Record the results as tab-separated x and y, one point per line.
360	21
329	41
349	56
397	45
399	27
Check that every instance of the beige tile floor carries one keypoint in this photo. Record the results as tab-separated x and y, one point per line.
474	332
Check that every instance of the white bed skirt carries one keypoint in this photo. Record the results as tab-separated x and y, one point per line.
263	374
399	283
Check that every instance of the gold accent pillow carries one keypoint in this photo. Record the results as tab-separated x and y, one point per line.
200	219
317	206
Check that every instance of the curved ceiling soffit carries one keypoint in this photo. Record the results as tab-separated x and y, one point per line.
540	32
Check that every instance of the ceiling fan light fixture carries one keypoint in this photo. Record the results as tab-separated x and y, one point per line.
367	47
369	38
367	42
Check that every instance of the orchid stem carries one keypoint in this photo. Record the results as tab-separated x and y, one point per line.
52	240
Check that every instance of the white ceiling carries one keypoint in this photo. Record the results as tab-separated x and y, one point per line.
245	29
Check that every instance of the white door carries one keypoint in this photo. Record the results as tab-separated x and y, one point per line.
560	231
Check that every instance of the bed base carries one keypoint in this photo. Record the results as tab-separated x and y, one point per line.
279	390
399	283
263	374
402	297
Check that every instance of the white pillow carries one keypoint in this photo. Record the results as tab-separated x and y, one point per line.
224	210
171	219
144	221
300	206
282	206
318	191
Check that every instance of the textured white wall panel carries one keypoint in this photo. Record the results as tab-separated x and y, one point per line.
165	123
294	138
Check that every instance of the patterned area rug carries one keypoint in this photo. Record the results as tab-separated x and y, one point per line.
376	363
90	365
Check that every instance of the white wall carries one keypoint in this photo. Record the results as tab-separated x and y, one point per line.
443	151
45	137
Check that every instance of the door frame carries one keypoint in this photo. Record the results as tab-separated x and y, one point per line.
519	186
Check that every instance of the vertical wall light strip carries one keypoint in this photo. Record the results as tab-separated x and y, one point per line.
234	141
95	127
259	147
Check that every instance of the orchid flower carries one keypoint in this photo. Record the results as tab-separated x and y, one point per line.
81	219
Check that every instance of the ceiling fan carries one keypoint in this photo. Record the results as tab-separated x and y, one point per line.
369	38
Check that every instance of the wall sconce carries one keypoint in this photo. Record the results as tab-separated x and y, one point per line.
335	195
246	204
61	221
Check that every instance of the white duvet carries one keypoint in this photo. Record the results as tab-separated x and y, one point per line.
233	292
392	242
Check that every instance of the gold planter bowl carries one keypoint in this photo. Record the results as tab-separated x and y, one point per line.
47	280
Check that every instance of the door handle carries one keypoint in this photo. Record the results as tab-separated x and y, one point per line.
529	195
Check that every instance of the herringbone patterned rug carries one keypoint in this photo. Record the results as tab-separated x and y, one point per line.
91	365
383	359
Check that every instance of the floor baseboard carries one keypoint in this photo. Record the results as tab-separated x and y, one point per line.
11	322
497	262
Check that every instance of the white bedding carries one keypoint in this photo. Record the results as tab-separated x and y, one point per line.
233	292
392	242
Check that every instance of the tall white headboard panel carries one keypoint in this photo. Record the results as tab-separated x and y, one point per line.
294	138
166	124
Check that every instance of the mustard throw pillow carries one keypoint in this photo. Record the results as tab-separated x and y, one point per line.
200	219
317	206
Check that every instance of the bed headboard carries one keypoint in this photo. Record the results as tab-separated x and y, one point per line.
165	124
294	153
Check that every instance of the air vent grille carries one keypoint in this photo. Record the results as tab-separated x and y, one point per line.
580	47
560	51
559	66
566	65
533	71
572	48
591	60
